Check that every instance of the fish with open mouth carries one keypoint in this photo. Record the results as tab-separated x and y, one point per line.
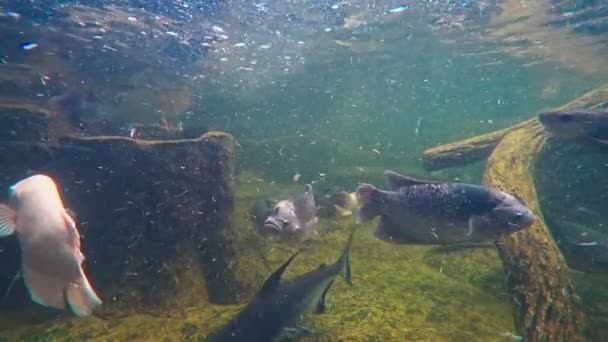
292	218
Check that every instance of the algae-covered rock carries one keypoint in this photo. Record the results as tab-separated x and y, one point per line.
165	223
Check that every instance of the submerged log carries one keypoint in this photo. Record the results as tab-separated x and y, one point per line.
478	148
465	151
546	306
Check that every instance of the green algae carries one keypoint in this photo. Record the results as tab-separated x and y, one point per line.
398	293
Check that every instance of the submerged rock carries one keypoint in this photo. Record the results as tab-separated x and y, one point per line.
155	215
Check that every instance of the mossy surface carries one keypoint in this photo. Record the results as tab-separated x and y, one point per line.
399	293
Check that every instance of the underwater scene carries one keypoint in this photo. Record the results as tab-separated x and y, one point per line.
311	170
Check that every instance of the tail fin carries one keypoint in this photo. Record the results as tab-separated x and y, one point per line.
368	206
344	260
81	297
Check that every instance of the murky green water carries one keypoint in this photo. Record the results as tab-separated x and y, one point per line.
315	92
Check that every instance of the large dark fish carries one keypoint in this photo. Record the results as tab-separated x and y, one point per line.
279	304
585	249
426	212
585	124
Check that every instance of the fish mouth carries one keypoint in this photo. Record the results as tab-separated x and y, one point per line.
272	225
545	117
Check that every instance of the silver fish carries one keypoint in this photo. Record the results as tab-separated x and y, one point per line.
277	307
50	246
292	218
427	212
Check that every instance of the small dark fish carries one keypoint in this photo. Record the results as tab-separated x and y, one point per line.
426	212
585	249
587	124
278	306
292	218
259	211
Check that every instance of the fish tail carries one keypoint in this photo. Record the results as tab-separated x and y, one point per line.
81	297
344	260
368	207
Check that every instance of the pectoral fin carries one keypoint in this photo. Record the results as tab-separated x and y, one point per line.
321	303
475	222
8	220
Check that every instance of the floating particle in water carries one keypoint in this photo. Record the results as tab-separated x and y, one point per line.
399	9
336	6
3	60
223	59
12	14
300	42
43	79
28	46
327	29
418	125
132	19
217	29
171	33
132	132
296	177
376	151
239	45
264	46
587	244
568	15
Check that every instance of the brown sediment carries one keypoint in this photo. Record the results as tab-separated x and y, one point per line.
546	306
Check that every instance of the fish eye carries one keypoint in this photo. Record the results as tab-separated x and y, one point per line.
285	222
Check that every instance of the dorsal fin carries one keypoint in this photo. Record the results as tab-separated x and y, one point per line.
274	280
396	181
